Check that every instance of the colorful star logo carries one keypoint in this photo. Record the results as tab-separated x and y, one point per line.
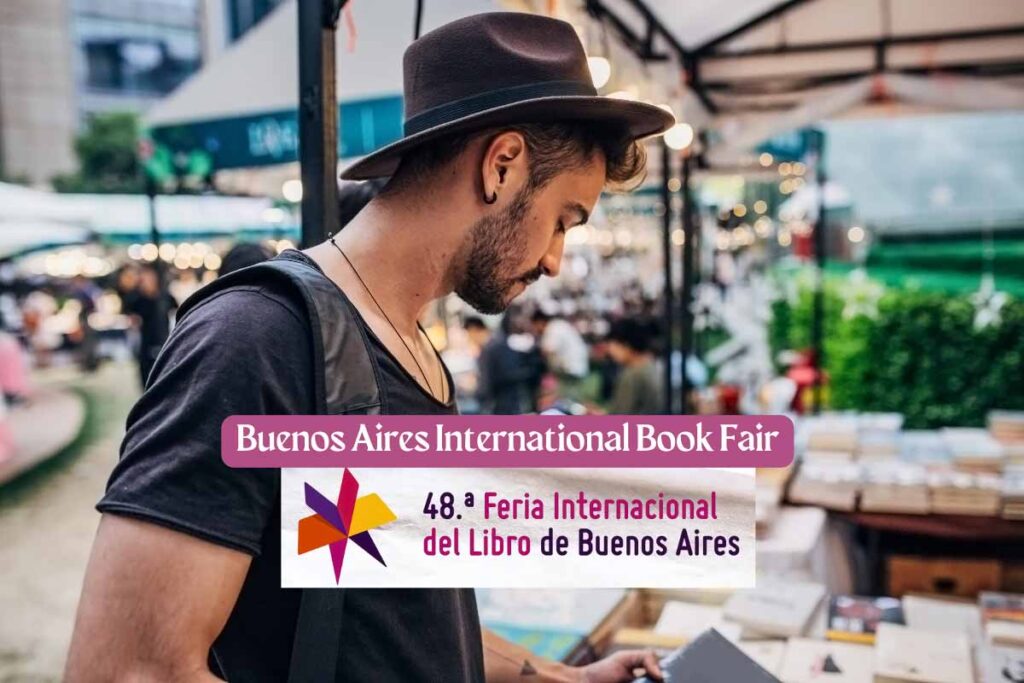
351	518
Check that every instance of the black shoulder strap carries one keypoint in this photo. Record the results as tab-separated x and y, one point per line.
347	382
317	636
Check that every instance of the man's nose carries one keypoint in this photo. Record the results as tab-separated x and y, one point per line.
551	262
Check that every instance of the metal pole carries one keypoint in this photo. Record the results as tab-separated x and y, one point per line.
689	269
318	118
154	237
820	242
669	302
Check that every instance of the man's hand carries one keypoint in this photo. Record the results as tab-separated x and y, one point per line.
620	667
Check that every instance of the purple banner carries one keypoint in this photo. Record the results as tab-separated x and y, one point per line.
507	441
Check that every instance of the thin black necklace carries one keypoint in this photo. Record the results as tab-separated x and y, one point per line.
430	387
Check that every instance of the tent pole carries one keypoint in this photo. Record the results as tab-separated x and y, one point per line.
152	190
689	268
820	243
668	312
318	118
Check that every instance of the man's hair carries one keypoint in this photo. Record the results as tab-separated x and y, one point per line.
242	255
638	335
551	149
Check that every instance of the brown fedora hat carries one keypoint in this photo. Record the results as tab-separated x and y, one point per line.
495	69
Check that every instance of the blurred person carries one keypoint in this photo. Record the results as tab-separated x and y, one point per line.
37	309
185	575
508	376
354	196
152	309
183	284
639	387
14	380
85	292
564	351
242	255
477	331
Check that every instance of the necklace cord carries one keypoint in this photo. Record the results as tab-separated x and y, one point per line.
398	334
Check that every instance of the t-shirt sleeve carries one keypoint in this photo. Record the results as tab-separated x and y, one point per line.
244	351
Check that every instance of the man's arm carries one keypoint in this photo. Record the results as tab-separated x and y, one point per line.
505	662
153	602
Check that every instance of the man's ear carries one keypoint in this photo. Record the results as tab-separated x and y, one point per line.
503	169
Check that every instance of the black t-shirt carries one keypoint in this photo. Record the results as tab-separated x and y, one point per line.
248	350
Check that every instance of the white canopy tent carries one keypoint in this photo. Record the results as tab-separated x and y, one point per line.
241	107
759	67
30	220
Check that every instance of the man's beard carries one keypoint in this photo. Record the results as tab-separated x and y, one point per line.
493	243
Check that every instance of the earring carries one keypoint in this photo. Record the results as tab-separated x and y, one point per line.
493	198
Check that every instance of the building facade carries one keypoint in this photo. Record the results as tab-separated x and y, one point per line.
62	61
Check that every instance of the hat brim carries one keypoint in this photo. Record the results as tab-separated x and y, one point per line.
641	120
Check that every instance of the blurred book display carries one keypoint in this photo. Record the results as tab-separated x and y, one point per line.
775	608
974	450
909	655
962	493
855	619
808	661
941	614
687	621
1001	664
832	485
867	462
1013	492
895	487
1003	616
1007	427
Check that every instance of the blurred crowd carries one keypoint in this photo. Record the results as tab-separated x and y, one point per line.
534	360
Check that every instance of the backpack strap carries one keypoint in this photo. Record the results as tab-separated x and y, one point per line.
317	636
346	381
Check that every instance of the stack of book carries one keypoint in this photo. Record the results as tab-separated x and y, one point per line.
775	608
830	437
887	422
1003	617
686	620
1013	492
855	619
770	488
961	493
974	450
794	542
909	655
944	614
832	485
810	661
895	487
878	444
923	446
1007	427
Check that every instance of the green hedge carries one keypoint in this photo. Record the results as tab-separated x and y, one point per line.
920	355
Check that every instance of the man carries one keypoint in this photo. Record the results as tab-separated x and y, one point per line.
508	377
639	387
506	148
152	309
564	350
